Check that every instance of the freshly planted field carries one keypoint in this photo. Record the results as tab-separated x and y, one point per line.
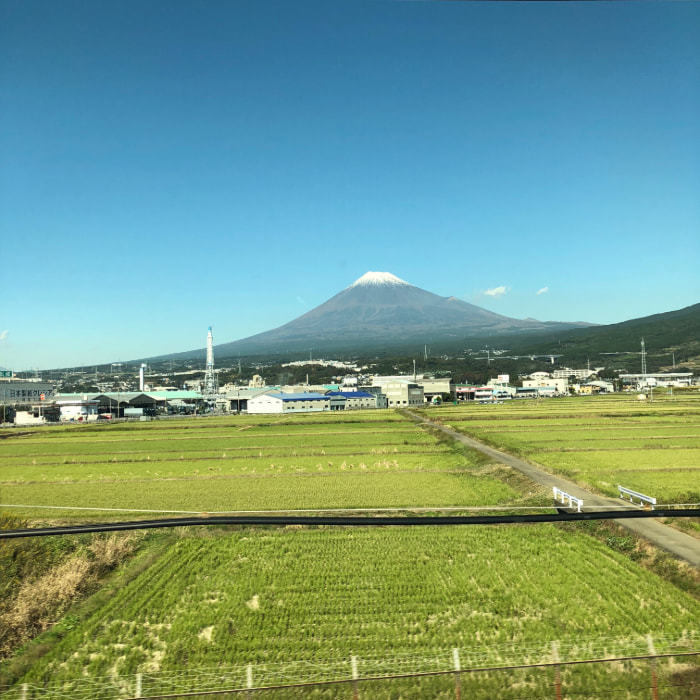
242	463
261	596
600	442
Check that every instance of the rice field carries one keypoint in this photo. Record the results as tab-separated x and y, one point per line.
261	597
600	442
318	595
371	459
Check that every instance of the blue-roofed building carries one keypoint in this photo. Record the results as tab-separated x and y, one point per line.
356	399
299	402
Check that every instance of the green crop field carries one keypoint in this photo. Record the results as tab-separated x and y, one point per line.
269	596
363	460
319	595
599	442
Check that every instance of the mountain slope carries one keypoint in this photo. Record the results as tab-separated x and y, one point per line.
380	309
672	331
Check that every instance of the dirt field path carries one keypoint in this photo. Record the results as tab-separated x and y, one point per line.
677	543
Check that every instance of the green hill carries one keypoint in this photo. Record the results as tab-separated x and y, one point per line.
664	334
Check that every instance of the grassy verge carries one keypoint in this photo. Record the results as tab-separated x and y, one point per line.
50	584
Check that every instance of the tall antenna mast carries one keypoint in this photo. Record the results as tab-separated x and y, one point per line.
644	359
211	386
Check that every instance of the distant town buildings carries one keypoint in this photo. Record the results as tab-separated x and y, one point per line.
567	372
32	401
657	379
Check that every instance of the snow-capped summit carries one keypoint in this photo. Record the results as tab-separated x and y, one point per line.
378	278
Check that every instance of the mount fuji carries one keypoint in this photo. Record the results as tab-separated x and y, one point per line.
379	310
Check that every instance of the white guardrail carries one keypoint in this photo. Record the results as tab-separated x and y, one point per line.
563	497
635	494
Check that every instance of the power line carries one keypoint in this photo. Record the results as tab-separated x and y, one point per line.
357	521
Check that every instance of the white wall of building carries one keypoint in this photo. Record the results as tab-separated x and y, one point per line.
270	403
559	384
400	393
567	372
28	418
78	411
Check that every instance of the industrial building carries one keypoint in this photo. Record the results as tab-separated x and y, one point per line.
25	391
356	399
400	392
237	398
467	392
77	408
657	379
118	404
431	386
278	402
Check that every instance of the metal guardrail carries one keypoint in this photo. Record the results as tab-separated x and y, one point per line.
562	497
635	494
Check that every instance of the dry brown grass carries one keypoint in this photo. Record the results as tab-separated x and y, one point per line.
40	602
110	551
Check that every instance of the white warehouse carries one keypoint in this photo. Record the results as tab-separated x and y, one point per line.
289	403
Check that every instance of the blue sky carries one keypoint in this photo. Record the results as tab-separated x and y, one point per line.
169	165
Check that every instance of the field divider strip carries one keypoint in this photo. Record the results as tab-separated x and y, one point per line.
416	509
398	509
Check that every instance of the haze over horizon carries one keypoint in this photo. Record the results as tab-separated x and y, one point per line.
166	167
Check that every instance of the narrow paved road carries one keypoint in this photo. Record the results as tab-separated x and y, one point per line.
677	543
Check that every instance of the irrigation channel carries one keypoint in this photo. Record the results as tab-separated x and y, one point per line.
556	670
345	521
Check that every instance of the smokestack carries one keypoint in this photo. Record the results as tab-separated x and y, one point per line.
210	349
210	383
141	377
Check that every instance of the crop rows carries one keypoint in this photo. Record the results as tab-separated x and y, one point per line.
231	464
599	442
270	596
